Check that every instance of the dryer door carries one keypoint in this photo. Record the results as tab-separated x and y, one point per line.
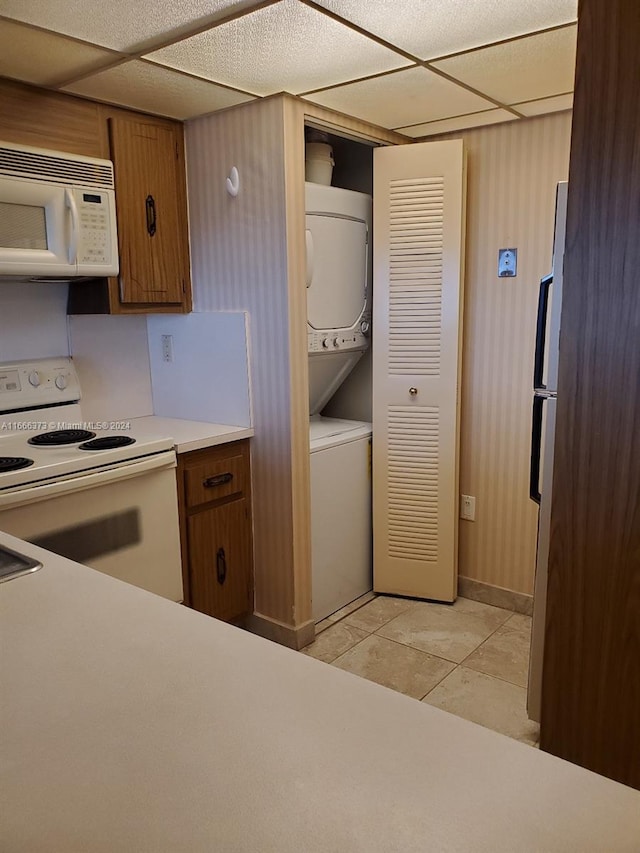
336	270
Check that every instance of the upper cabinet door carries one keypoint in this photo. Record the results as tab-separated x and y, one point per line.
418	230
154	256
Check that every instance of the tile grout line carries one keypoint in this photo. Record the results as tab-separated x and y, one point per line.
490	675
488	637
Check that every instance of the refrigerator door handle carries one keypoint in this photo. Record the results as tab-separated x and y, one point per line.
541	331
536	446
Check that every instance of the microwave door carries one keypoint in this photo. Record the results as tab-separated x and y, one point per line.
36	228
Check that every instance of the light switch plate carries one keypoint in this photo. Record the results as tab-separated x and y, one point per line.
507	263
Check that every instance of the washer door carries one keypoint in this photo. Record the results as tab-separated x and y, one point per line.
336	270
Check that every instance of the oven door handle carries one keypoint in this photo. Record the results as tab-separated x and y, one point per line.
29	494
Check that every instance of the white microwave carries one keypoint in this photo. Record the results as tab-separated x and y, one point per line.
57	215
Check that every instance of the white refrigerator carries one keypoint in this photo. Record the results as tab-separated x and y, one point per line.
545	389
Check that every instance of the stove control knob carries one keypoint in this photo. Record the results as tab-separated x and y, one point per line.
325	343
336	342
61	382
34	378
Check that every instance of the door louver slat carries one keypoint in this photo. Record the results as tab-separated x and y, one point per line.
413	481
415	270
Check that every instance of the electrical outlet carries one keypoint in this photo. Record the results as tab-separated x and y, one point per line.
167	347
468	507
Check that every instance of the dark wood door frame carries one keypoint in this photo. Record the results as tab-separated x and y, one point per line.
591	682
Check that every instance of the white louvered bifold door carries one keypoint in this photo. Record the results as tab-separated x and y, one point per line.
418	246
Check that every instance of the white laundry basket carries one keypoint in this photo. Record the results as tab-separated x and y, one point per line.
319	163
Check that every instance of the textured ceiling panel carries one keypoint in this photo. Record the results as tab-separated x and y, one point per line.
529	68
430	28
119	24
287	46
546	105
402	98
154	89
45	58
448	125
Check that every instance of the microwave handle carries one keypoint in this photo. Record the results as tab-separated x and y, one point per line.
73	242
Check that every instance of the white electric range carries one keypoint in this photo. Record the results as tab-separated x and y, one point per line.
101	493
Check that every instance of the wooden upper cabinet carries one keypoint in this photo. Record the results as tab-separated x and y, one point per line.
154	254
150	175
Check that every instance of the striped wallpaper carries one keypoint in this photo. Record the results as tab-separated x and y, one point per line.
240	262
513	169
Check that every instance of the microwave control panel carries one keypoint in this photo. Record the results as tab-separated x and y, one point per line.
95	227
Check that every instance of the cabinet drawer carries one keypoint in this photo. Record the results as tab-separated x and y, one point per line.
215	479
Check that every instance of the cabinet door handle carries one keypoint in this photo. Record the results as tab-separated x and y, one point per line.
221	566
150	206
218	480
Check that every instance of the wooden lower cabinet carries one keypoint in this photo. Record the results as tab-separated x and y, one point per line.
215	521
220	560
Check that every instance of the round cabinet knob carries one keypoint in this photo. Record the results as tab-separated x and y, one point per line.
325	343
336	342
61	382
413	392
34	378
364	327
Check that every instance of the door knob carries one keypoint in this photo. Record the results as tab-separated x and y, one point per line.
413	392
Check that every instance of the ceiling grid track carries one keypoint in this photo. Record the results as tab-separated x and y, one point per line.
220	81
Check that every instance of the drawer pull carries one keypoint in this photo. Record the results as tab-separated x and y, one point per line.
218	480
221	566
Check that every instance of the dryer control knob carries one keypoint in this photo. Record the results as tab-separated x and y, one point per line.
61	382
325	343
34	378
364	327
336	342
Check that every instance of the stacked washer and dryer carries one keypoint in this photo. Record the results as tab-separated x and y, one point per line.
338	278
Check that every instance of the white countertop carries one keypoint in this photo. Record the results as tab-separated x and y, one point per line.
190	435
129	723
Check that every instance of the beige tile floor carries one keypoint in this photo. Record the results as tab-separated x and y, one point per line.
467	658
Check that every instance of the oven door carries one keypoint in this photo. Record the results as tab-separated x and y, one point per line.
122	521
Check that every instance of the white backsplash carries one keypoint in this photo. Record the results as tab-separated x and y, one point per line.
112	359
208	379
119	358
33	320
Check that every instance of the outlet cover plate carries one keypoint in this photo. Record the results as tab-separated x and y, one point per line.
468	507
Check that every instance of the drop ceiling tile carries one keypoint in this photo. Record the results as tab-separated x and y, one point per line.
45	58
152	88
448	125
402	98
119	24
546	105
438	27
287	46
526	69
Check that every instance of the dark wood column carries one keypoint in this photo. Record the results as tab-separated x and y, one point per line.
591	685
